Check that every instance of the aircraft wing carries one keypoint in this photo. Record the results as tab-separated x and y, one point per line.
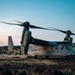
62	42
47	43
43	42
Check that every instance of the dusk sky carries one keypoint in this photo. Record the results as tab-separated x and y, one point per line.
59	14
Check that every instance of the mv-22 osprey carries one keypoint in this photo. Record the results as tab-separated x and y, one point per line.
37	47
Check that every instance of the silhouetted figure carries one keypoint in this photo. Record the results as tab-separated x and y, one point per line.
68	37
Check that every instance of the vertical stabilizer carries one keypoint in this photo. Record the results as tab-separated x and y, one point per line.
10	43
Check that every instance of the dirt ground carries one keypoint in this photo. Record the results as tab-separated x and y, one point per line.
31	66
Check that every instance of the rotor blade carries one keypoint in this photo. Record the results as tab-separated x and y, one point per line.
61	30
18	21
72	34
10	23
58	30
32	26
37	27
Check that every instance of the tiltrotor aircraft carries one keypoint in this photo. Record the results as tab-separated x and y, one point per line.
38	47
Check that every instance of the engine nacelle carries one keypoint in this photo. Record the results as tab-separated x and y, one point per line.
26	41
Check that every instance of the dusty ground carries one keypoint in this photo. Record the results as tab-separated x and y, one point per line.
31	66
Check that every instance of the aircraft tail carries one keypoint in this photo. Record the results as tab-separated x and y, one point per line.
10	43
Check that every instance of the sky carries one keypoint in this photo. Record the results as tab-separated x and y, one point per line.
59	14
